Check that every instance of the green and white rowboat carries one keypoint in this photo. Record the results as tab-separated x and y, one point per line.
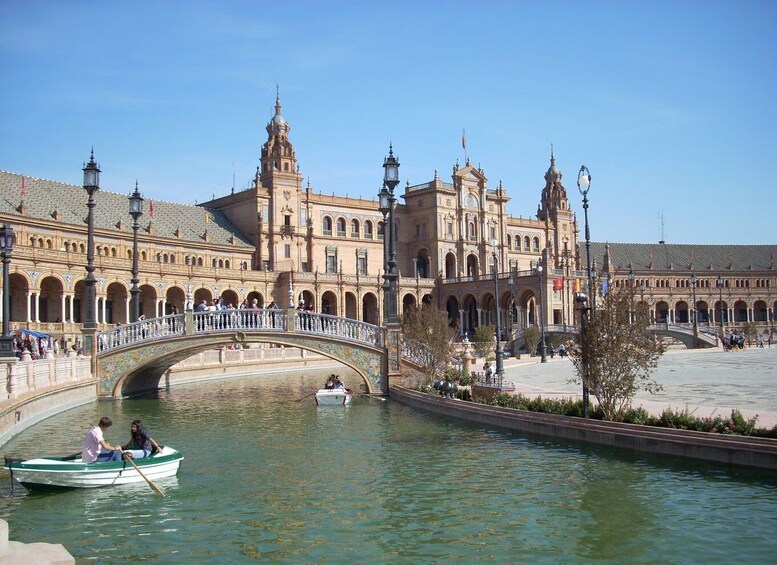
72	472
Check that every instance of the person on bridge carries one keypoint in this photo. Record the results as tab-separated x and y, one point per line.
96	448
141	443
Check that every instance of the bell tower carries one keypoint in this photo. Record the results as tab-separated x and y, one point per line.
560	223
278	159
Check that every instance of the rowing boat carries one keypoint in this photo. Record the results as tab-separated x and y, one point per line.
72	472
331	397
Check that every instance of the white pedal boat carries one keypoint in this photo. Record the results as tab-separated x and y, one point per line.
332	397
72	472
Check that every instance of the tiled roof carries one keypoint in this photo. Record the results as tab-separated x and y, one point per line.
683	257
44	197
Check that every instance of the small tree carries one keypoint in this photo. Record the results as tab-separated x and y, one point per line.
428	332
531	339
483	341
615	356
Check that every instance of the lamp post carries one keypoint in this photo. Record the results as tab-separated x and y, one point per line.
543	347
632	315
719	284
693	280
6	244
136	211
581	298
500	368
387	202
584	185
91	185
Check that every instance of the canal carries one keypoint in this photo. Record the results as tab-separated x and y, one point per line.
270	477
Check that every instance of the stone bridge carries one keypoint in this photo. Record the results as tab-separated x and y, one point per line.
705	337
134	357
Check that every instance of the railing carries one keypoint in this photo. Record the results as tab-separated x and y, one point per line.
416	353
311	322
143	330
265	319
236	320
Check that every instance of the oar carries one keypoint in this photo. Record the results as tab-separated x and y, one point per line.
149	481
306	396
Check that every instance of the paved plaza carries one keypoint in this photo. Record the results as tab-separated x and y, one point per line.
708	382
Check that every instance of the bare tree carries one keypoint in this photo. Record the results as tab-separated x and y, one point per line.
427	333
617	353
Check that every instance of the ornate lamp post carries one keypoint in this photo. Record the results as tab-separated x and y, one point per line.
543	347
719	284
387	202
6	244
584	185
136	211
632	315
581	298
500	367
91	185
693	280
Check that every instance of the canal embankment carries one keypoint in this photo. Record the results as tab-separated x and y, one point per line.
718	448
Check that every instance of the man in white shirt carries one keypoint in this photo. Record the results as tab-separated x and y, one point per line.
96	448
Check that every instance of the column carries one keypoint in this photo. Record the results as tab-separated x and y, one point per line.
127	310
63	317
462	329
104	309
37	307
29	311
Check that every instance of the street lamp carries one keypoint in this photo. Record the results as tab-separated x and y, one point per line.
581	298
632	315
719	284
136	211
6	244
543	347
387	202
693	280
500	368
91	185
584	185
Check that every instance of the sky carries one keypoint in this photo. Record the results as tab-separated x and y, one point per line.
670	104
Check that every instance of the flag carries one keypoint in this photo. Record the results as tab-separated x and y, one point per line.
558	283
464	140
24	189
151	208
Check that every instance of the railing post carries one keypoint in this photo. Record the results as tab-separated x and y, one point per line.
188	322
291	319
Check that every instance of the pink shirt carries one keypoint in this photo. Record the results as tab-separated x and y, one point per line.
92	445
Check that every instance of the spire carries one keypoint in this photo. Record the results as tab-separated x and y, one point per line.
277	101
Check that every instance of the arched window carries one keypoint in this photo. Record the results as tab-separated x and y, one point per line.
471	230
226	264
381	230
199	261
536	242
327	225
354	228
341	227
368	229
526	243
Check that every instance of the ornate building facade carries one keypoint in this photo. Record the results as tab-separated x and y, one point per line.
280	242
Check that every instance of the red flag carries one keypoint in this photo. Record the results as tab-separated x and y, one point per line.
151	209
24	190
558	283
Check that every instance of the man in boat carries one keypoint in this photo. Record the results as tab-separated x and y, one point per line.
330	382
338	384
96	448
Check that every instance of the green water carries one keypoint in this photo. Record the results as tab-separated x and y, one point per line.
270	478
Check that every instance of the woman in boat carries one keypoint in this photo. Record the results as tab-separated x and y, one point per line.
330	382
142	444
338	384
96	448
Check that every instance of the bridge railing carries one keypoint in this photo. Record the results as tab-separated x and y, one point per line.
143	330
234	320
312	322
265	319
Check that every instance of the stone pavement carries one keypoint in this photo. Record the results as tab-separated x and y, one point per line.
549	380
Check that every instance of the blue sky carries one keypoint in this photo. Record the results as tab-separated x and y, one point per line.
670	104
